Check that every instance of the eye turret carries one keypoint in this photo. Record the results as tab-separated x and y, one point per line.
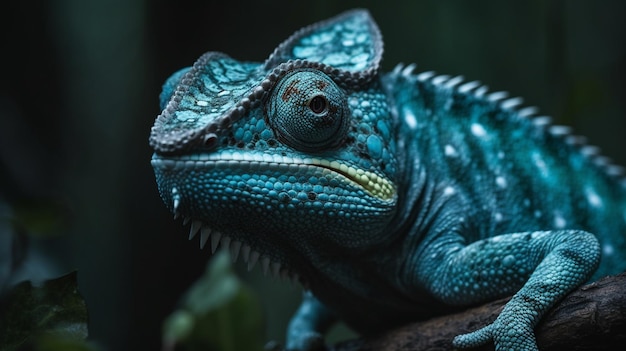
308	111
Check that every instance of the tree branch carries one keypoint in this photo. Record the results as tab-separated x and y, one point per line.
593	317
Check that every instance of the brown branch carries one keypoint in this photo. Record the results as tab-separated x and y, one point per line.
593	317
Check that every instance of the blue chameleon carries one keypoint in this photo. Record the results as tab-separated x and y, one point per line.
390	197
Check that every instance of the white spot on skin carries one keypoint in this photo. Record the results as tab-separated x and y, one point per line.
559	221
536	235
478	130
448	191
501	182
541	164
450	151
410	118
593	198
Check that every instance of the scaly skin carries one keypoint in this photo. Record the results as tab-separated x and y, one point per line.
414	195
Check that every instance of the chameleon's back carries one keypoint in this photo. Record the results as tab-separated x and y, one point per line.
511	171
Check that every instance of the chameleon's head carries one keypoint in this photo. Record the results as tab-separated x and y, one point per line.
286	160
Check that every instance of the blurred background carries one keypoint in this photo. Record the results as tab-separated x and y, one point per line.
79	92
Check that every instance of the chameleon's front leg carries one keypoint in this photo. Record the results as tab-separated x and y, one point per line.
311	320
546	265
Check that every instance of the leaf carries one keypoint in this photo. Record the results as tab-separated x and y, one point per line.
218	312
55	309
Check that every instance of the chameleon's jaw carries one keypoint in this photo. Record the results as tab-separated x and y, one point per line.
264	208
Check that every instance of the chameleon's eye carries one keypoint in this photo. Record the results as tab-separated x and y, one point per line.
308	111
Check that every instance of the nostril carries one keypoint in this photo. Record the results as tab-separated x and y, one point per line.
210	140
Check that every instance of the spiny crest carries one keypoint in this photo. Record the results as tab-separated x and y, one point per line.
514	105
218	90
238	249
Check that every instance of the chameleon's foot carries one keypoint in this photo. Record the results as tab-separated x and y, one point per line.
505	336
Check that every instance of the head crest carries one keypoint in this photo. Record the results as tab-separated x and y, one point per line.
219	90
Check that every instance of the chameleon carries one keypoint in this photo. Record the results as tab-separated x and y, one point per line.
389	197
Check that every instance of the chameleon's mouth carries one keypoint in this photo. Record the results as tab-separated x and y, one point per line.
372	183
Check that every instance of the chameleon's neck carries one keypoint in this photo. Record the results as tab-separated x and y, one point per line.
411	182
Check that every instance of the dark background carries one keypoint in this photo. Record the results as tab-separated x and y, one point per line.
78	95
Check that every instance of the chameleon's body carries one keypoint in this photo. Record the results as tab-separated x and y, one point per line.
390	197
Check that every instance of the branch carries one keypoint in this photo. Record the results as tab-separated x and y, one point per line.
593	317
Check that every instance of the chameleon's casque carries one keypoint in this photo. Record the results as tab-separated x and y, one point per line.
391	197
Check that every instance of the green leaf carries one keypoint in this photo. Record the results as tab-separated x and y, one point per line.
218	313
56	309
